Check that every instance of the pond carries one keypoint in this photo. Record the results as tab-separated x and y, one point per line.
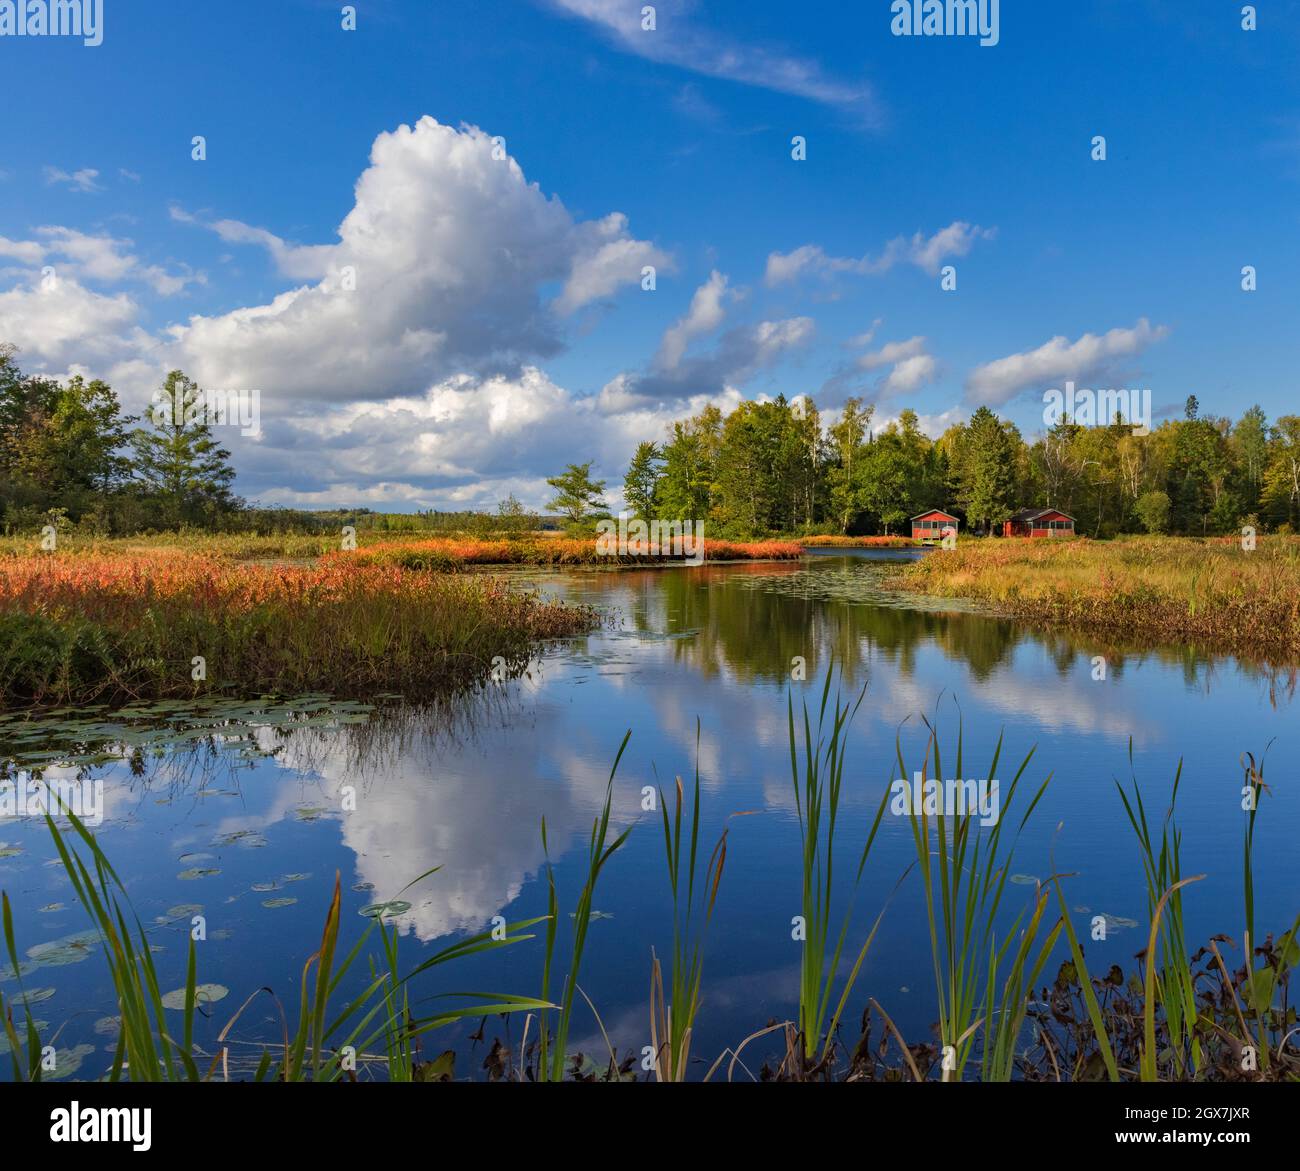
243	813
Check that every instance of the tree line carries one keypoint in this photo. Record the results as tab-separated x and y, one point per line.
69	452
769	468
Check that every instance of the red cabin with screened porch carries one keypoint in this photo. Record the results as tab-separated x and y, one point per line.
931	526
1039	522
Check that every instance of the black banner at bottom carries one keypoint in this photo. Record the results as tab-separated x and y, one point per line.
179	1120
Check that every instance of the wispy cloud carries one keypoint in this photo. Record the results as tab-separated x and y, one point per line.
676	39
85	180
925	252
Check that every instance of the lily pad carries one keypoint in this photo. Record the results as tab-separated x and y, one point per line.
248	838
203	994
198	872
68	1061
392	907
181	911
282	902
71	949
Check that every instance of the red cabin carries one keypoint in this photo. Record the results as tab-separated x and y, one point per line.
933	525
1039	522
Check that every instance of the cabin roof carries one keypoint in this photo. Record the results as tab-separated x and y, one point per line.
1025	515
934	512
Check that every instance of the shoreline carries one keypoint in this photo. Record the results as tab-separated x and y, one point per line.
1160	592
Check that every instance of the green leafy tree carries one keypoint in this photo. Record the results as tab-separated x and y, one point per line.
1281	496
178	461
1250	444
689	462
1153	510
60	443
989	452
578	498
886	479
848	448
641	484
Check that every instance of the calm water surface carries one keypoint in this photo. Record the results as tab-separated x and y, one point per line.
241	820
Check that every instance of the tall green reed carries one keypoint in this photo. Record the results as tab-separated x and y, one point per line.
965	870
1169	985
552	1051
817	794
672	1017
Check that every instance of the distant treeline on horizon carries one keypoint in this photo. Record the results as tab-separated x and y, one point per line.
69	456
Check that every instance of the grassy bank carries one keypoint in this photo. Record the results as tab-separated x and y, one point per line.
130	618
449	555
75	628
446	553
1210	593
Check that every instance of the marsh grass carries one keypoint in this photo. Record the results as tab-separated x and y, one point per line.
74	630
1179	590
450	555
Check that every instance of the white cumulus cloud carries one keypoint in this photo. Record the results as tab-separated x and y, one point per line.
1057	360
450	260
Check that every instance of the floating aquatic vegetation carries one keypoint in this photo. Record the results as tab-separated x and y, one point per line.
180	911
204	994
392	907
68	1061
198	872
71	949
275	903
249	839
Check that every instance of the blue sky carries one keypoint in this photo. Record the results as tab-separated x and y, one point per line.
498	328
